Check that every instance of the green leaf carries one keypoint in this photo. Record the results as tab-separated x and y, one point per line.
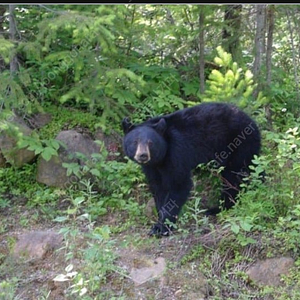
246	226
37	150
53	143
23	143
61	219
190	88
235	228
95	172
48	152
244	241
78	200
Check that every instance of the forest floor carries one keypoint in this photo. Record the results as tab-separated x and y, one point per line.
140	267
151	267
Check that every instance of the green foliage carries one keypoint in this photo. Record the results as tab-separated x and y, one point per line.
161	91
66	118
262	204
91	65
115	183
285	174
289	228
87	77
99	258
195	212
231	83
8	289
18	182
43	197
64	55
197	252
46	148
13	97
240	226
6	48
287	161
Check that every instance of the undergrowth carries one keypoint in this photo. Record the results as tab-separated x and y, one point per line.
108	199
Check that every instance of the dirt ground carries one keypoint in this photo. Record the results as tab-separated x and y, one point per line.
193	264
136	252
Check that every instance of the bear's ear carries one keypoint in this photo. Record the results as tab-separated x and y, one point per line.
160	126
127	125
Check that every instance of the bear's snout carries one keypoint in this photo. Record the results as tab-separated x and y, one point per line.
142	158
142	154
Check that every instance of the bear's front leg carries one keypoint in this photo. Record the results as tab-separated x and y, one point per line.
168	211
160	229
169	207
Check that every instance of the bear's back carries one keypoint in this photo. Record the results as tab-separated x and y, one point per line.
210	115
209	127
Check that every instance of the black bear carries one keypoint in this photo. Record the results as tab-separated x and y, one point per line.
169	147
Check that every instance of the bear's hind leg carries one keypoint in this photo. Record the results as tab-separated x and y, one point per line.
230	188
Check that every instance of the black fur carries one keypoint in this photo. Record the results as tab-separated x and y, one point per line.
179	141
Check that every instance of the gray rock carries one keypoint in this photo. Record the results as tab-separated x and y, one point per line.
154	269
77	146
37	244
52	173
77	142
8	144
269	271
39	120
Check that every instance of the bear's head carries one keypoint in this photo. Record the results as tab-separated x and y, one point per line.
145	143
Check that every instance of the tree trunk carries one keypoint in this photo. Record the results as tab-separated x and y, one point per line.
295	64
12	36
2	12
270	22
2	32
231	31
201	50
259	43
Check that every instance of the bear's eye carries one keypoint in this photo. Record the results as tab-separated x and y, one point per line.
150	143
135	142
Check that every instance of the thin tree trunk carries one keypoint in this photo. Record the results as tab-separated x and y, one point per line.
270	20
231	31
12	36
201	50
259	44
259	39
2	32
293	52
